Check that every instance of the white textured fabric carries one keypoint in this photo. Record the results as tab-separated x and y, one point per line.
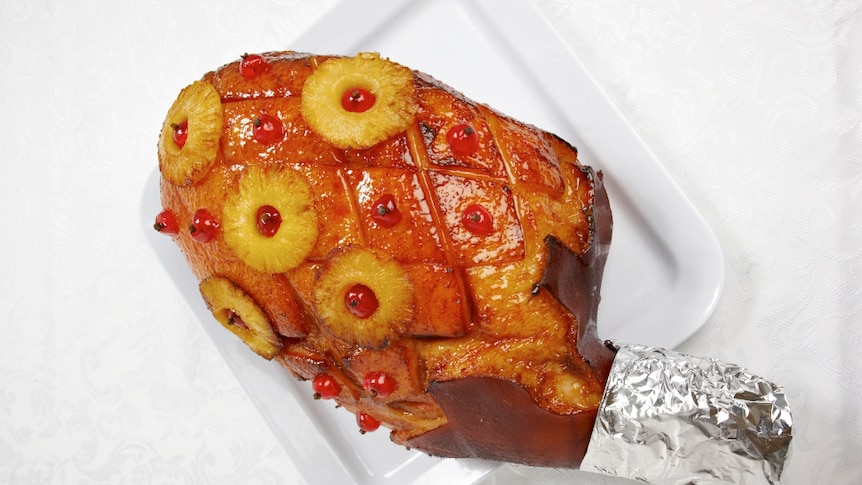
754	107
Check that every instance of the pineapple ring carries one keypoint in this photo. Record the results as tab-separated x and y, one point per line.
389	283
288	192
239	313
393	109
199	105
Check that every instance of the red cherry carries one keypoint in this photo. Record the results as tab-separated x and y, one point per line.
463	139
181	133
379	383
204	226
385	212
233	318
367	423
361	301
325	386
268	220
253	64
166	223
478	220
357	100
267	129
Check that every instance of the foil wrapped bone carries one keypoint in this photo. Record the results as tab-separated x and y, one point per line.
672	418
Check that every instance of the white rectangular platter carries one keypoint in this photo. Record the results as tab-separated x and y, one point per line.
664	273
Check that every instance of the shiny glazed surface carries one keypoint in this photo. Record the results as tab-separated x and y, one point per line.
469	252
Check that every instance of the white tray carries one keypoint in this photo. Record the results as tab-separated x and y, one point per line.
665	270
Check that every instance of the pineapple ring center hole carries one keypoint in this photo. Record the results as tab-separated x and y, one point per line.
231	318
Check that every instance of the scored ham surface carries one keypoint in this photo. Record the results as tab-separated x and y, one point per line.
425	261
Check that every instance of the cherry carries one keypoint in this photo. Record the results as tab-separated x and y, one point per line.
379	383
267	129
233	318
367	423
166	223
181	133
357	100
325	386
268	220
463	139
385	212
204	226
478	220
361	301
253	64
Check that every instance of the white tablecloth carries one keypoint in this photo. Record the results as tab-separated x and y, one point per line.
753	107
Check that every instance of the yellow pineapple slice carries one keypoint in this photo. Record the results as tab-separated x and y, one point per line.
190	134
364	296
270	221
240	314
357	102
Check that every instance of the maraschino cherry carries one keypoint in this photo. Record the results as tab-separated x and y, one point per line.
204	226
463	139
181	133
233	318
166	223
357	100
478	220
385	212
325	386
268	220
379	383
267	129
361	301
367	423
252	65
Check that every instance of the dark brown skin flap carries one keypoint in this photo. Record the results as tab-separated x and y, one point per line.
576	280
496	419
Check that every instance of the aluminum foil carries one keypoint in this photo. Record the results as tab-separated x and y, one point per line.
671	418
